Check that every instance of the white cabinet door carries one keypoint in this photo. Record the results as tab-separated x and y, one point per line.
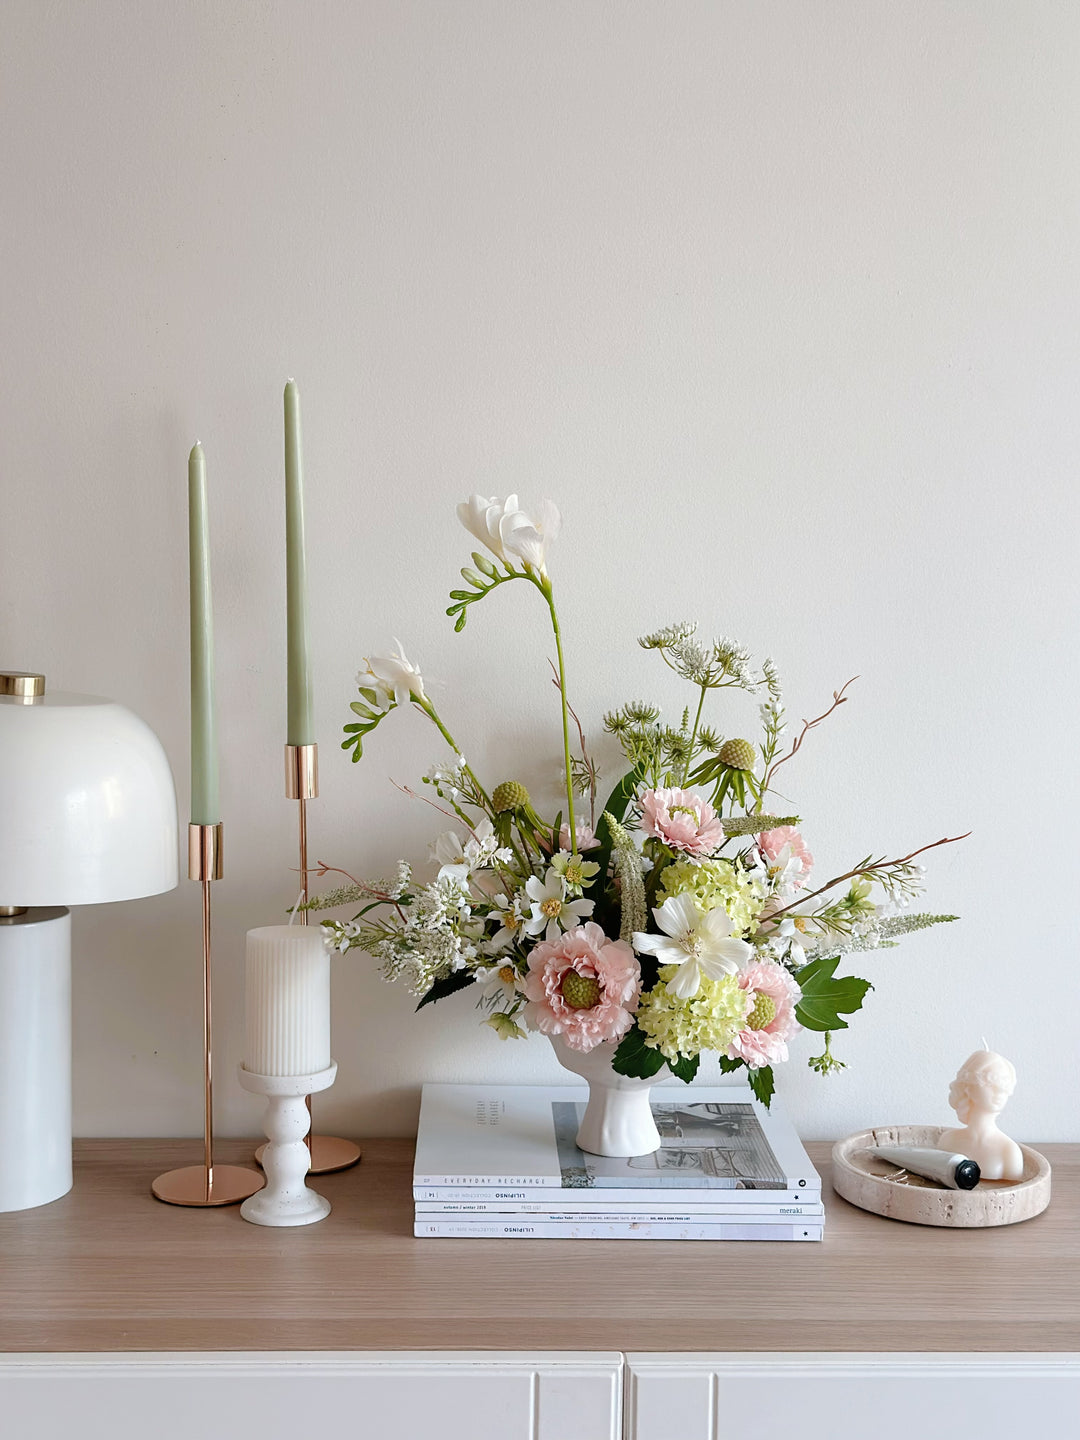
286	1396
851	1397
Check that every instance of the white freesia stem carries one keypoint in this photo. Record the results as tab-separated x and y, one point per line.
544	586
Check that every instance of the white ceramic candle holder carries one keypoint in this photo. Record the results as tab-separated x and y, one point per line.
286	1200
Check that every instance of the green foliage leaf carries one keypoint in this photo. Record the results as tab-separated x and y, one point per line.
634	1057
448	985
825	998
686	1067
763	1084
727	1065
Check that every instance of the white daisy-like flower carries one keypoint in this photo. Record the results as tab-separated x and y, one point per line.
552	912
699	943
511	922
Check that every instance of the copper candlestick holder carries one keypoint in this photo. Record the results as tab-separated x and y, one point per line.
206	1184
328	1152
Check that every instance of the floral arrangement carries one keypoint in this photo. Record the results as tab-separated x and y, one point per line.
680	916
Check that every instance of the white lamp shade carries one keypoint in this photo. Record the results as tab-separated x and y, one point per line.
87	802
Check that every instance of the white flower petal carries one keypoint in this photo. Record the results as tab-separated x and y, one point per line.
686	981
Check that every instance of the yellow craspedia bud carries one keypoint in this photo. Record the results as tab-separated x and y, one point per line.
510	795
763	1013
581	992
738	754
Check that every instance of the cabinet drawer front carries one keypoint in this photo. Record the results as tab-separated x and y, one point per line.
848	1397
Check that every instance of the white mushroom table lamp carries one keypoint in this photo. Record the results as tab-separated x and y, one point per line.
89	815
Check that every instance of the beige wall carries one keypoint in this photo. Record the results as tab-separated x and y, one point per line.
779	302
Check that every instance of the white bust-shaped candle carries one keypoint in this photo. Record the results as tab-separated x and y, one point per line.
979	1093
287	997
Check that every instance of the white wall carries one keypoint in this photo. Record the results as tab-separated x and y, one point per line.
778	301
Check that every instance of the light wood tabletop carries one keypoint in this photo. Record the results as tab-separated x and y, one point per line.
109	1268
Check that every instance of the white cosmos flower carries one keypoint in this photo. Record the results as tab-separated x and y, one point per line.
458	858
698	943
511	919
392	676
551	911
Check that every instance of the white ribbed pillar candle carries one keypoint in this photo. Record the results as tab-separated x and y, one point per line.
287	997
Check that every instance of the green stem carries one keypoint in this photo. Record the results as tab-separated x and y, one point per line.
429	710
544	586
693	735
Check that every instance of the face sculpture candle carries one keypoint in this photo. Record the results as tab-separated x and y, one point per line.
979	1093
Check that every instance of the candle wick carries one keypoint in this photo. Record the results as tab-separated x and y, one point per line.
985	1043
296	907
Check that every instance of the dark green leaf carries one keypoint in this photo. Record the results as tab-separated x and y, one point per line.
727	1065
825	998
685	1067
446	986
635	1058
762	1084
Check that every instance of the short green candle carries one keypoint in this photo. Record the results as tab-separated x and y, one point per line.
205	809
301	724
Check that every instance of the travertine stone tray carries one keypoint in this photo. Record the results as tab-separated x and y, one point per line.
865	1180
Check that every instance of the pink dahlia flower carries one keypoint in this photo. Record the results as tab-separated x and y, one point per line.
771	1022
785	851
682	820
583	987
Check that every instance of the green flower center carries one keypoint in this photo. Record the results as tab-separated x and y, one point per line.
763	1013
683	810
581	992
551	908
738	754
510	795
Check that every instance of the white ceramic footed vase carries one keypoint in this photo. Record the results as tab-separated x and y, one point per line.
618	1120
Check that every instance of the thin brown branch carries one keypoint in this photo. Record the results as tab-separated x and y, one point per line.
865	868
838	699
321	869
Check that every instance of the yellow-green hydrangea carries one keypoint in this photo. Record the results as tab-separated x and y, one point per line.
709	1020
715	884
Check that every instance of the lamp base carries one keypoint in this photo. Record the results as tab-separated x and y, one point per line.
329	1153
194	1186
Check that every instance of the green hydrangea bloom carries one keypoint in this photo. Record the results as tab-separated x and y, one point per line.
709	1020
713	884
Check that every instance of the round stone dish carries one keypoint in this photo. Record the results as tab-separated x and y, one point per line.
875	1185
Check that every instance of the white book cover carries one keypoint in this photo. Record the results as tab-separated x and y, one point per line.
566	1205
527	1229
522	1137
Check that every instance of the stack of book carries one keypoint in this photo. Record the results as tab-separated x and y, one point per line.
501	1161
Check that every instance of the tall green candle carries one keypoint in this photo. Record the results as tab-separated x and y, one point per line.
301	726
204	766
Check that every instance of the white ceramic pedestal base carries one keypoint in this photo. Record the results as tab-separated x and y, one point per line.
618	1120
286	1199
35	1057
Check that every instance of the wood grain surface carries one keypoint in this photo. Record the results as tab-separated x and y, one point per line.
109	1268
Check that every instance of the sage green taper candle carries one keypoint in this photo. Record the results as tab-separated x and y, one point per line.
204	767
301	725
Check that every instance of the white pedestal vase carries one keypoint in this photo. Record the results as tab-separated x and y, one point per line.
618	1120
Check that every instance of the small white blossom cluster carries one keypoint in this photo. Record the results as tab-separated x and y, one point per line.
448	778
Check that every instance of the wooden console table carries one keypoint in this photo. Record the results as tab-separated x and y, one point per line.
108	1270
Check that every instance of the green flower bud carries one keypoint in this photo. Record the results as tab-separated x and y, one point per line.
510	795
484	563
738	754
472	576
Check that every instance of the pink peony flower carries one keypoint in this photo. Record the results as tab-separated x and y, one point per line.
775	994
682	820
586	837
583	987
785	852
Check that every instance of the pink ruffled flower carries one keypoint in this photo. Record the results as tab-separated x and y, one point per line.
785	851
767	1044
586	837
583	987
682	820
